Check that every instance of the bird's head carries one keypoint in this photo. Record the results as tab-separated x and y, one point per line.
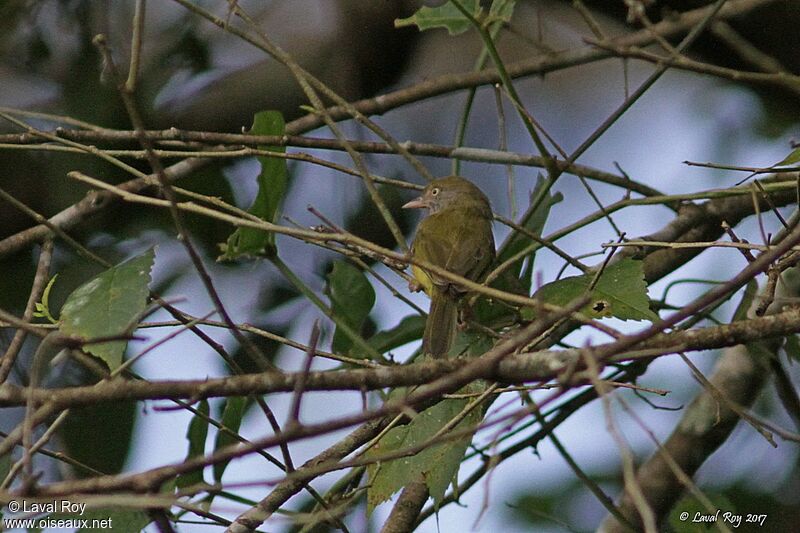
451	192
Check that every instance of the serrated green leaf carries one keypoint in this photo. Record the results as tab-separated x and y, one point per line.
444	459
107	305
273	180
791	159
352	298
232	414
388	477
437	465
196	435
410	328
445	16
620	292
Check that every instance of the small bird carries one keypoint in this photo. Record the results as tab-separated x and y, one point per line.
457	236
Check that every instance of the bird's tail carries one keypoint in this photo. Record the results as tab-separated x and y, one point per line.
440	328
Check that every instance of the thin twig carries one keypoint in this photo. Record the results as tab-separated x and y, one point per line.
297	395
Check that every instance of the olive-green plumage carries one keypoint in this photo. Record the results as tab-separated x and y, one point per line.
457	236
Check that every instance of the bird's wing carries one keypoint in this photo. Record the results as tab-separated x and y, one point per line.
470	261
447	249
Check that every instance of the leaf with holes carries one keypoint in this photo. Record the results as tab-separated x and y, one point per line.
620	292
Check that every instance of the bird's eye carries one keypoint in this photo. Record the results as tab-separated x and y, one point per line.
434	191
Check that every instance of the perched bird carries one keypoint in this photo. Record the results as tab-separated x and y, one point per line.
457	236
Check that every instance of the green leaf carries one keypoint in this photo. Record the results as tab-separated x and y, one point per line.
472	343
444	460
108	305
352	298
273	181
445	16
409	329
791	159
232	414
502	10
746	302
196	435
437	464
620	292
43	307
496	314
535	224
111	424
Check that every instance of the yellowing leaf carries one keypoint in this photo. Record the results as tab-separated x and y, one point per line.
791	159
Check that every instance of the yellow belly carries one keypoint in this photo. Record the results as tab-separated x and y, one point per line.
423	279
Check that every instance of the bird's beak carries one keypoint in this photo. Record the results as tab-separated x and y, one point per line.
417	203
